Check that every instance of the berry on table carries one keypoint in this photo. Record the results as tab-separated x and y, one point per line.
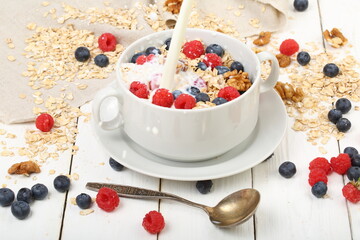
341	163
322	163
44	122
193	49
331	70
135	56
184	101
202	66
287	169
219	101
107	199
215	48
152	50
167	43
62	183
353	173
82	54
176	93
25	194
204	186
202	97
355	161
163	98
20	209
343	105
212	60
319	189
7	196
193	90
236	65
139	89
317	175
39	191
229	93
351	151
83	200
153	222
301	5
222	69
334	115
343	125
351	192
101	60
303	58
115	165
289	47
107	42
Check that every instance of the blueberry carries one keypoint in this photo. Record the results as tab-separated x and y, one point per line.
193	90
319	189
343	125
215	48
356	160
62	183
331	70
7	196
222	69
20	209
176	93
202	97
219	101
25	194
167	43
152	50
301	5
353	173
303	58
343	104
287	169
83	200
101	60
135	56
204	186
115	165
351	151
202	66
82	54
334	115
236	66
39	191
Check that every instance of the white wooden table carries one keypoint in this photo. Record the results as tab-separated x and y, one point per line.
287	209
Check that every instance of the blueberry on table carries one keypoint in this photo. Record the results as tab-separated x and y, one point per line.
193	90
343	125
319	189
343	104
202	66
301	5
287	169
202	97
331	70
355	161
353	173
7	196
115	165
135	56
215	48
303	58
167	43
236	65
101	60
62	183
39	191
351	151
152	50
334	115
219	101
82	54
20	209
204	186
25	194
83	200
222	69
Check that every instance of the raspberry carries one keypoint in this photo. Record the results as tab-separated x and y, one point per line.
141	60
184	101
351	192
153	222
322	163
44	122
163	97
193	49
212	60
107	199
289	47
139	89
107	42
317	175
229	93
341	163
150	57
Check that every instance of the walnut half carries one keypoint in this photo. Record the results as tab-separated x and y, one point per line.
173	6
288	92
25	168
335	38
263	39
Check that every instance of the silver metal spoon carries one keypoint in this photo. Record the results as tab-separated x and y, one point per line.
234	209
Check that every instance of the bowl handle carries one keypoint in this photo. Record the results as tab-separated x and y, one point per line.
271	80
103	94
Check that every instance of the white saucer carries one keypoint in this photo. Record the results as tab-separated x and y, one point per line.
266	137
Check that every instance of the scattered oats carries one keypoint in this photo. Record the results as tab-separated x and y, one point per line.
255	22
229	8
3	185
34	178
106	3
10	135
86	212
75	176
73	201
11	58
51	171
241	6
102	163
82	86
7	153
2	131
22	96
322	150
7	177
10	43
38	101
37	94
69	96
263	9
45	4
237	13
356	108
31	26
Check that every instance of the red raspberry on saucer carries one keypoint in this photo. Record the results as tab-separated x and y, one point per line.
141	60
317	175
139	89
107	42
44	122
107	199
184	101
193	49
351	192
229	93
212	60
163	97
322	163
153	222
341	163
289	47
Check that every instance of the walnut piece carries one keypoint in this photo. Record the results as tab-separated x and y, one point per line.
335	38
283	59
25	168
173	6
288	92
239	80
264	38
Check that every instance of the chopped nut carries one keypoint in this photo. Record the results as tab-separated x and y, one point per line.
335	38
283	59
25	168
173	6
240	80
263	39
